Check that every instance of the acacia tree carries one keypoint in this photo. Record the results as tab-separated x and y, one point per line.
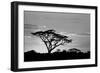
52	39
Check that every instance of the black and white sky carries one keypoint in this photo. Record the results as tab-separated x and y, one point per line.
74	25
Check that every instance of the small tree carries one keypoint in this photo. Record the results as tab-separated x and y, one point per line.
74	50
52	39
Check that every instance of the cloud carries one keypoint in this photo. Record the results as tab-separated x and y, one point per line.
85	34
79	40
30	26
79	34
28	37
42	27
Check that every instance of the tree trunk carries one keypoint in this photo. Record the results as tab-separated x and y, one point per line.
49	52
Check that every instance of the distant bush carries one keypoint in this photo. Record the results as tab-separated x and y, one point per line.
63	55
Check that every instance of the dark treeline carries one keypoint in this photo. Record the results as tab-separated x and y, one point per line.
63	55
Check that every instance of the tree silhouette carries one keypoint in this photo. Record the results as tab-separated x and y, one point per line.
52	39
74	50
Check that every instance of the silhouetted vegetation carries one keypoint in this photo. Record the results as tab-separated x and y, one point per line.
52	39
58	55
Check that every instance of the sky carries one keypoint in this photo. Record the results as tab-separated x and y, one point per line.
74	25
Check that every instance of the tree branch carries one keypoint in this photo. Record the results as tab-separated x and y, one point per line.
50	45
45	43
57	45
